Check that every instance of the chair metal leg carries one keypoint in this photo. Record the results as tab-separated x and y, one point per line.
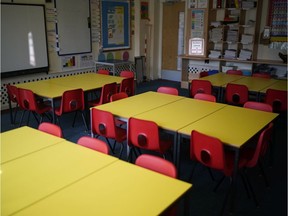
219	183
111	148
24	111
263	174
74	119
245	184
84	120
251	189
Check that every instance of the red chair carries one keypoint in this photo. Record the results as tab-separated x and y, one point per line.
157	164
127	74
13	97
28	102
118	96
236	94
210	152
127	86
106	92
255	156
234	72
104	72
261	75
200	86
168	90
93	143
103	124
206	97
258	106
203	74
144	134
277	99
72	101
51	128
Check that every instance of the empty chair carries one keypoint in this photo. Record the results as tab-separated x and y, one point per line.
28	102
13	97
104	72
236	94
127	86
203	74
93	143
106	92
258	106
144	134
51	128
235	72
262	75
168	90
277	99
103	124
157	164
72	101
200	86
127	74
118	96
206	97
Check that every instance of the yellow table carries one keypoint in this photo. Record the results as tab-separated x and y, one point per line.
179	114
27	180
119	189
138	104
279	85
220	80
24	141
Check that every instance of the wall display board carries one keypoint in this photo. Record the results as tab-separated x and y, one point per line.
73	26
23	39
115	25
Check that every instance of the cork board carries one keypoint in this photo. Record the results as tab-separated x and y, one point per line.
170	34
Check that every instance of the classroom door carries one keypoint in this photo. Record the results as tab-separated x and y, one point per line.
170	34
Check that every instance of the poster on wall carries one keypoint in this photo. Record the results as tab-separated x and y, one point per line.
115	25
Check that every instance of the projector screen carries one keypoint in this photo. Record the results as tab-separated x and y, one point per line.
23	39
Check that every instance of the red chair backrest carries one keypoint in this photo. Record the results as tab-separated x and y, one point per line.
236	94
207	150
277	99
261	75
203	74
106	92
50	128
103	123
12	93
157	164
93	143
127	86
258	106
235	72
104	72
143	134
200	86
72	100
27	100
262	145
118	96
206	97
127	74
168	90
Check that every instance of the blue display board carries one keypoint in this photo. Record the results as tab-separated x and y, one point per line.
115	25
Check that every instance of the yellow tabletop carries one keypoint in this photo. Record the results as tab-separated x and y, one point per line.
232	125
88	81
137	104
279	85
119	189
221	79
178	114
29	179
23	141
255	84
45	88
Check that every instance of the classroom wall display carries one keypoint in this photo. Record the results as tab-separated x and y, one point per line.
73	27
115	25
23	39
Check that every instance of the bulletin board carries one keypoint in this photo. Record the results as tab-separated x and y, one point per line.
73	27
115	25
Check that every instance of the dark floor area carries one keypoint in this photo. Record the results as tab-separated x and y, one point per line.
203	201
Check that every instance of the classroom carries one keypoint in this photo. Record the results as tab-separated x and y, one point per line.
174	107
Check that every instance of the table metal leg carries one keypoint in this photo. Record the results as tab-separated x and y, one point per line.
234	182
